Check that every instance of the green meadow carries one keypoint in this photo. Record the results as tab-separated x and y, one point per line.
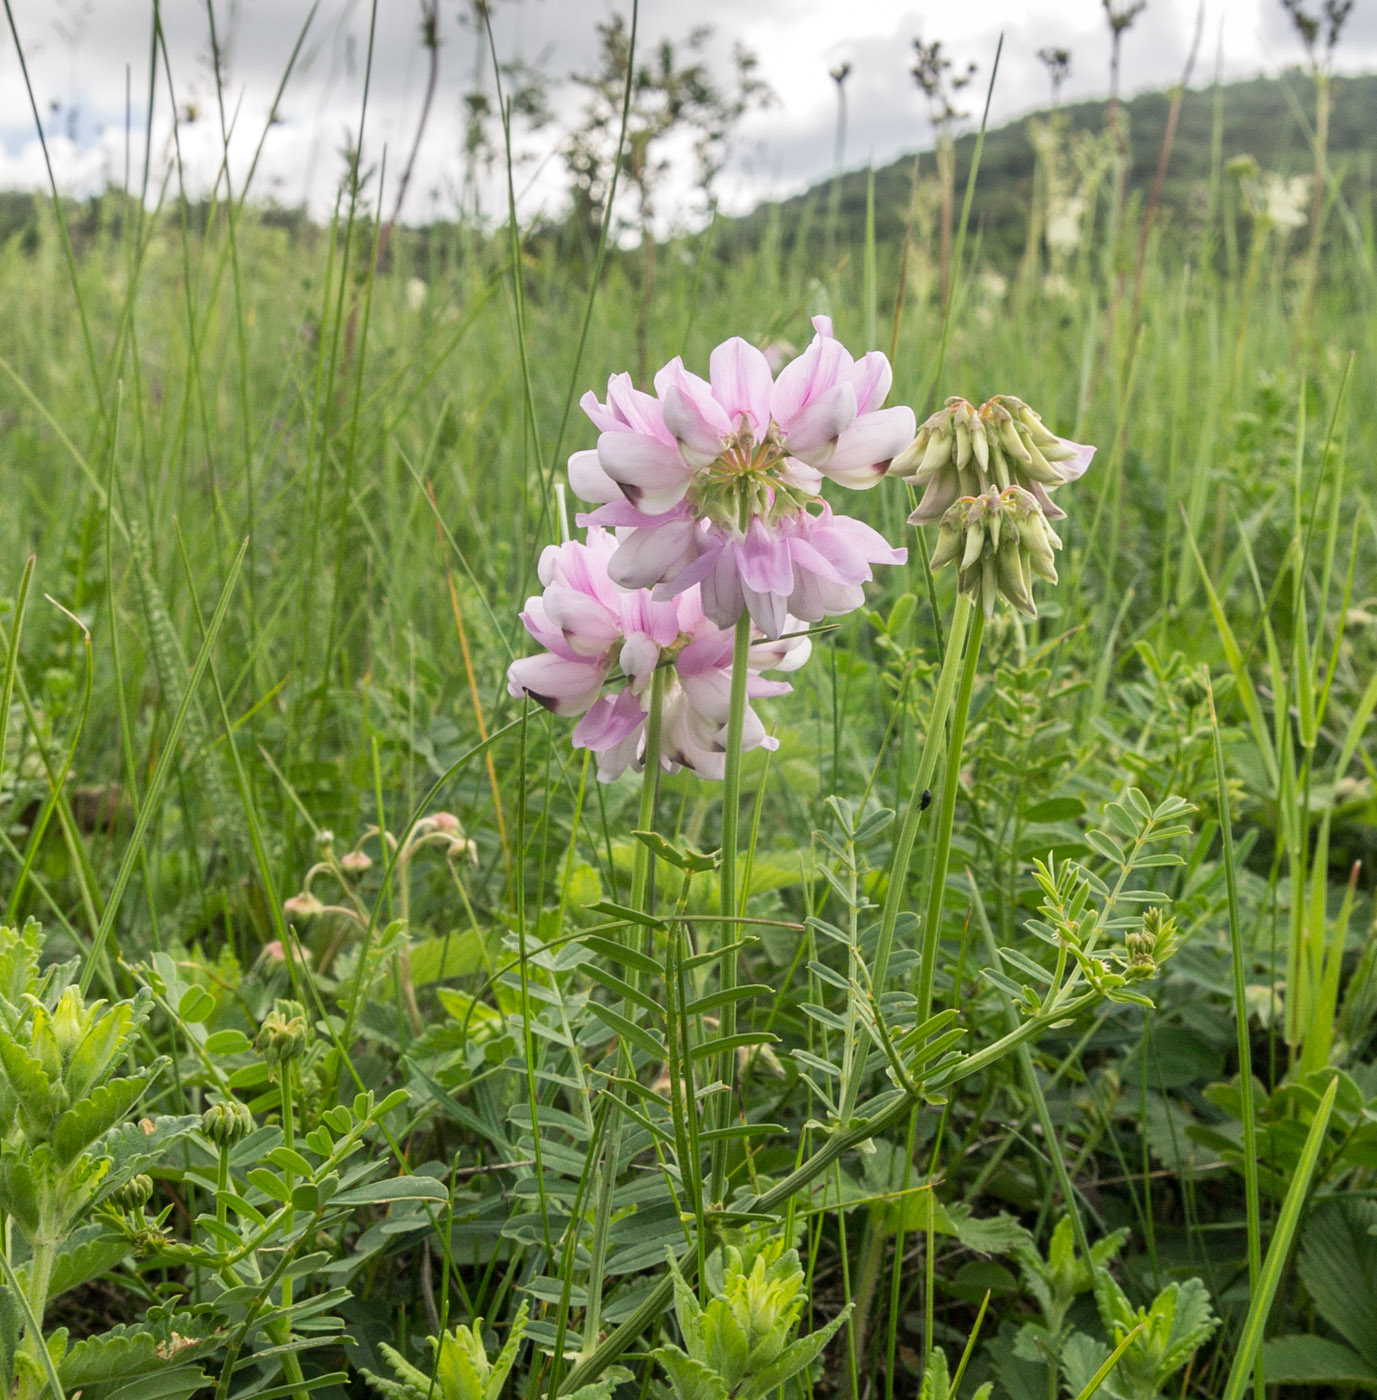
420	1072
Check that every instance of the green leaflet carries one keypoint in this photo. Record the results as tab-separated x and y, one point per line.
140	1349
105	1106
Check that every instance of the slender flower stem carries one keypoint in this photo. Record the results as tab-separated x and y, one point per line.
731	815
641	887
950	782
854	1051
643	866
908	833
291	1362
222	1179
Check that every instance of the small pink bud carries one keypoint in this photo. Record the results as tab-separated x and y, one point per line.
274	952
303	906
445	821
356	862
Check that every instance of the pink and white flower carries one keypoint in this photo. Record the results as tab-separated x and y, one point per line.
715	480
593	630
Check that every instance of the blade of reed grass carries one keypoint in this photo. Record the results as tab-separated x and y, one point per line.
160	774
1250	1341
1245	1054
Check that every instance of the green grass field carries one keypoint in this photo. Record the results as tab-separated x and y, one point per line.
276	507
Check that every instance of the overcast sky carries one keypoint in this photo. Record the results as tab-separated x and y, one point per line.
81	53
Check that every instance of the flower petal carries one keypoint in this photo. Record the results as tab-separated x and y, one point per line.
822	365
721	589
1073	467
700	443
652	475
609	722
589	482
563	687
588	625
871	377
769	611
742	383
866	448
813	432
639	656
943	489
762	559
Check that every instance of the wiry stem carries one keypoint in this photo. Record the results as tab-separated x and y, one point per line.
731	815
932	746
640	899
951	781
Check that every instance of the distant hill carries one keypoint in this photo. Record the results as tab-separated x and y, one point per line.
1257	119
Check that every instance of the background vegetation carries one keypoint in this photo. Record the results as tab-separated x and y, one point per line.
282	500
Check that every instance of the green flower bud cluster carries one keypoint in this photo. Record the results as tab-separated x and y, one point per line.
1151	944
227	1122
1192	690
999	540
284	1034
134	1194
965	451
986	475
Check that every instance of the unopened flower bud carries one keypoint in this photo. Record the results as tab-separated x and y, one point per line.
284	1033
1140	947
445	821
1015	580
324	841
355	862
1193	689
69	1023
951	535
303	906
227	1122
134	1194
1009	439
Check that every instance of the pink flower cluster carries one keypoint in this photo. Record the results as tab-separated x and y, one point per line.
595	631
714	482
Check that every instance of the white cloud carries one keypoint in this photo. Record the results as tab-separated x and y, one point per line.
81	54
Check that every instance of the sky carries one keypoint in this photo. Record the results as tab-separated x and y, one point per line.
88	62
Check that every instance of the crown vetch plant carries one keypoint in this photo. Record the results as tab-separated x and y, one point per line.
715	481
